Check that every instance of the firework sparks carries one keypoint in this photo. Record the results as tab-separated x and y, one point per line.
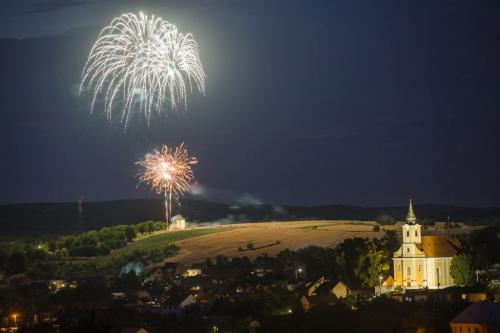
168	171
144	62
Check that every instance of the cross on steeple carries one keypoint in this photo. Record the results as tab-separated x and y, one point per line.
411	218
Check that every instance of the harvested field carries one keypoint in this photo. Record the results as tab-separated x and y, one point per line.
271	238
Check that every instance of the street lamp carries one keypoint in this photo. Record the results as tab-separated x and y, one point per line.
297	271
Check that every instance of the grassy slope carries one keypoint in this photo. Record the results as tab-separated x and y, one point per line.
152	242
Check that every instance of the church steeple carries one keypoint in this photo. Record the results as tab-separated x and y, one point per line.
411	218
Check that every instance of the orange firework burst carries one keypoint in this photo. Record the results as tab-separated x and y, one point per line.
168	171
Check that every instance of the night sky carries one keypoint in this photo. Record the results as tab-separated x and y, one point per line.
307	102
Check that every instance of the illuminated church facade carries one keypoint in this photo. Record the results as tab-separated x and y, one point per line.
423	261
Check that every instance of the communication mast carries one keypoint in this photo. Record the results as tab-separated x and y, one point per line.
80	214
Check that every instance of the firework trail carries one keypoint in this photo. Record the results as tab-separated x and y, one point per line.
168	171
142	62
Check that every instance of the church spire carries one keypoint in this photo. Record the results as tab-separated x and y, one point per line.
411	218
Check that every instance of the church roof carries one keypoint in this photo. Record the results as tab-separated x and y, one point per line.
437	246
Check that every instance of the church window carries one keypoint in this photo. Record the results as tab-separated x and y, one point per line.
419	268
416	233
408	270
407	250
407	234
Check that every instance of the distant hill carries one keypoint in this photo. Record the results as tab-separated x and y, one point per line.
53	218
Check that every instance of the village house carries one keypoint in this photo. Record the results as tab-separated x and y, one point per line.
479	317
178	223
308	302
386	286
323	286
194	270
167	272
340	290
177	304
423	261
323	292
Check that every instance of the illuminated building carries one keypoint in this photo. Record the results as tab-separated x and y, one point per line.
423	261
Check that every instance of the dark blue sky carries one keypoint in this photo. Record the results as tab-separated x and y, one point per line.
308	102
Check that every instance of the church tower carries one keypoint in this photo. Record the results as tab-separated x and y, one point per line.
411	229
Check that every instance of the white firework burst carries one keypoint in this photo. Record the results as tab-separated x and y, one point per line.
140	63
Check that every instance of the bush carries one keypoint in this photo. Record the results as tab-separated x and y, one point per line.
53	246
83	251
385	219
159	225
66	242
103	249
63	253
376	228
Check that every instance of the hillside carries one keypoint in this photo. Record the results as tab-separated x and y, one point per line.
54	218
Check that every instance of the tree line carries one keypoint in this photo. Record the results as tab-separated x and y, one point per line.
101	242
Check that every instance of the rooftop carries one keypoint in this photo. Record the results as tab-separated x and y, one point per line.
437	246
487	313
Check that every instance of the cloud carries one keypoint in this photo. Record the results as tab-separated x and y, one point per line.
248	199
229	197
51	5
43	6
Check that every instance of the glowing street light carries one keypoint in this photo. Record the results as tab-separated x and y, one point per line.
14	315
297	272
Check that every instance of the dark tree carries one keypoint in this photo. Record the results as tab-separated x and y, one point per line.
16	263
130	232
385	219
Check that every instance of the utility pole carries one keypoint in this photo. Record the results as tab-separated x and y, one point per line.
80	214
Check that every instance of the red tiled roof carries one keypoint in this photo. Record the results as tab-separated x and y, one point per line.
437	246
